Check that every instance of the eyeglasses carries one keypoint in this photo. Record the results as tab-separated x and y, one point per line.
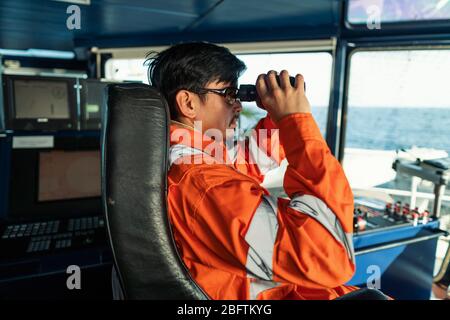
229	93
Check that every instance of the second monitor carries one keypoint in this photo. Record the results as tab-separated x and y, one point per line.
93	100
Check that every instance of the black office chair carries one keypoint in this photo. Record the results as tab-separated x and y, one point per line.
135	144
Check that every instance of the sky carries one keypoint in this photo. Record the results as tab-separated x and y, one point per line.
400	79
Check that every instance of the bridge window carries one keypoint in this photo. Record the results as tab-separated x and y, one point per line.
388	11
316	68
126	69
398	107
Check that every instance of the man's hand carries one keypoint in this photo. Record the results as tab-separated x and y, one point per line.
284	99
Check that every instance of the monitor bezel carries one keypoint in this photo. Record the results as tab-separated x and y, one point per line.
32	124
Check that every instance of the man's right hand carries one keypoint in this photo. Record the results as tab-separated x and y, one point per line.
284	99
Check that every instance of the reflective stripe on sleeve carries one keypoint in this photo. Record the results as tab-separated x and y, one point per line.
317	209
257	286
261	236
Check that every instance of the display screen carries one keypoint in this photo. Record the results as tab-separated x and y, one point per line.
69	175
365	11
41	99
94	99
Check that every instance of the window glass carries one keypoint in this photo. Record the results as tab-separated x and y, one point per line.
398	108
126	70
315	67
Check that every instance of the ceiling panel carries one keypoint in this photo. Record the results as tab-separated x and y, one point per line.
42	23
269	14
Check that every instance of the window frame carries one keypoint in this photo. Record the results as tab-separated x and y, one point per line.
368	47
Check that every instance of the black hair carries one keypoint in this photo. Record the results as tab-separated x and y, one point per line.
191	66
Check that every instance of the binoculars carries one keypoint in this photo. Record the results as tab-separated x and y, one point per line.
247	92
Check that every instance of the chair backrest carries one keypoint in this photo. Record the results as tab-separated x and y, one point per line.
135	144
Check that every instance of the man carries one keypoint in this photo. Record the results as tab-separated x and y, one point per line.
238	241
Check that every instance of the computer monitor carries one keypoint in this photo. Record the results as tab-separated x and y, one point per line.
56	182
40	103
93	100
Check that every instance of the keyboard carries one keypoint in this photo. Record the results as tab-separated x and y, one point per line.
50	236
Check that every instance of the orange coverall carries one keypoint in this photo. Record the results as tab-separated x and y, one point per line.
238	241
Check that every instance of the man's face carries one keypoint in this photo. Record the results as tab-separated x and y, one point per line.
216	112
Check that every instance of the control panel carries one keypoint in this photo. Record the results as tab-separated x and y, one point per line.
366	218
